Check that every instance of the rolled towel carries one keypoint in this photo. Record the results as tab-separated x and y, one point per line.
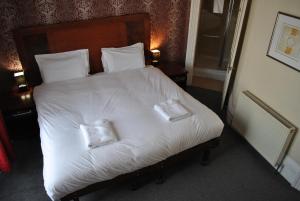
172	110
98	133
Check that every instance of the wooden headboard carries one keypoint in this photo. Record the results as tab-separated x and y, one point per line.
91	34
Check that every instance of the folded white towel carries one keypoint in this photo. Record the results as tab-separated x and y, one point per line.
98	133
172	110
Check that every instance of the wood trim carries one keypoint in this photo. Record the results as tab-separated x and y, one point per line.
238	54
192	38
238	33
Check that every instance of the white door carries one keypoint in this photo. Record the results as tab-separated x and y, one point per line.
233	51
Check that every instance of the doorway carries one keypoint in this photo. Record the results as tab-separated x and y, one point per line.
217	23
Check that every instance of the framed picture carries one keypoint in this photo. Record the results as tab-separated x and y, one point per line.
285	42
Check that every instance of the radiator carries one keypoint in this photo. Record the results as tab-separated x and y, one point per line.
265	129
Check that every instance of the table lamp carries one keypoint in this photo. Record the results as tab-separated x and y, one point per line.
21	81
155	57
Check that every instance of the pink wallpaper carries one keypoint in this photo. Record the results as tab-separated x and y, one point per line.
169	21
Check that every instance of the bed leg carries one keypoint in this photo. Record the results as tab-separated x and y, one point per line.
205	157
136	184
161	176
160	179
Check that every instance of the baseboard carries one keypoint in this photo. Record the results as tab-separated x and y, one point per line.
210	73
290	170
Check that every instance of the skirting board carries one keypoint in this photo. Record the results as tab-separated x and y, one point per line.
291	172
210	73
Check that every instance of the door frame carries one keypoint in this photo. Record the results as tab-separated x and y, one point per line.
193	34
238	50
192	38
236	46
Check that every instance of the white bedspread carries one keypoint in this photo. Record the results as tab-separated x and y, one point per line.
126	99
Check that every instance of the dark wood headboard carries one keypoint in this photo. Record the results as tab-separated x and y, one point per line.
91	34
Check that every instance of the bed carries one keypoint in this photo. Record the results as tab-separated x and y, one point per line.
145	140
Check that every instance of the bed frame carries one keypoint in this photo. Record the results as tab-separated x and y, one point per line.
95	34
159	169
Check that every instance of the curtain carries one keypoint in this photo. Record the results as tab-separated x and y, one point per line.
4	162
6	149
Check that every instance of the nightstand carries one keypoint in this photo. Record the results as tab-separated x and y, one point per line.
20	115
175	71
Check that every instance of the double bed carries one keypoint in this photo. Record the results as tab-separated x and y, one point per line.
126	98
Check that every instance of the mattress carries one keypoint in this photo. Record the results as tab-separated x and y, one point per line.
126	99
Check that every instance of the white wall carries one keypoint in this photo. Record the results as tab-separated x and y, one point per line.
275	83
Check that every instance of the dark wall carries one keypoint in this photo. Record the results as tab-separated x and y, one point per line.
169	22
6	80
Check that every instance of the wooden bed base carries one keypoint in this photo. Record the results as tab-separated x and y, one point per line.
158	169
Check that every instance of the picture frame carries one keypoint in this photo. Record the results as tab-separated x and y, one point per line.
284	45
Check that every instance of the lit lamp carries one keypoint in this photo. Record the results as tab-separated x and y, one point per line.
155	57
20	81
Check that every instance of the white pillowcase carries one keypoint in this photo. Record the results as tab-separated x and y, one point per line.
64	65
124	58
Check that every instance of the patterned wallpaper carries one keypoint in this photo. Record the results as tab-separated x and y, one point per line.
169	21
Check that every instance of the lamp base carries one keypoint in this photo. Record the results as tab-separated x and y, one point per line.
22	88
155	63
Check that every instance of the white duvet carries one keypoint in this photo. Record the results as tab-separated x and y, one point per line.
125	98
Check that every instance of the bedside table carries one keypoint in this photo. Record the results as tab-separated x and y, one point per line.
175	71
19	113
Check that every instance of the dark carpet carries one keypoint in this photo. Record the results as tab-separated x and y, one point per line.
236	173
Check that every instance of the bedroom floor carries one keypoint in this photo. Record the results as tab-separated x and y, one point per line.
236	172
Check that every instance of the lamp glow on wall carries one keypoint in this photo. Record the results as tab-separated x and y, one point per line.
155	57
20	81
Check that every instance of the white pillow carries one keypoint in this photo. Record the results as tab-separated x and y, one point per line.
124	58
64	65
